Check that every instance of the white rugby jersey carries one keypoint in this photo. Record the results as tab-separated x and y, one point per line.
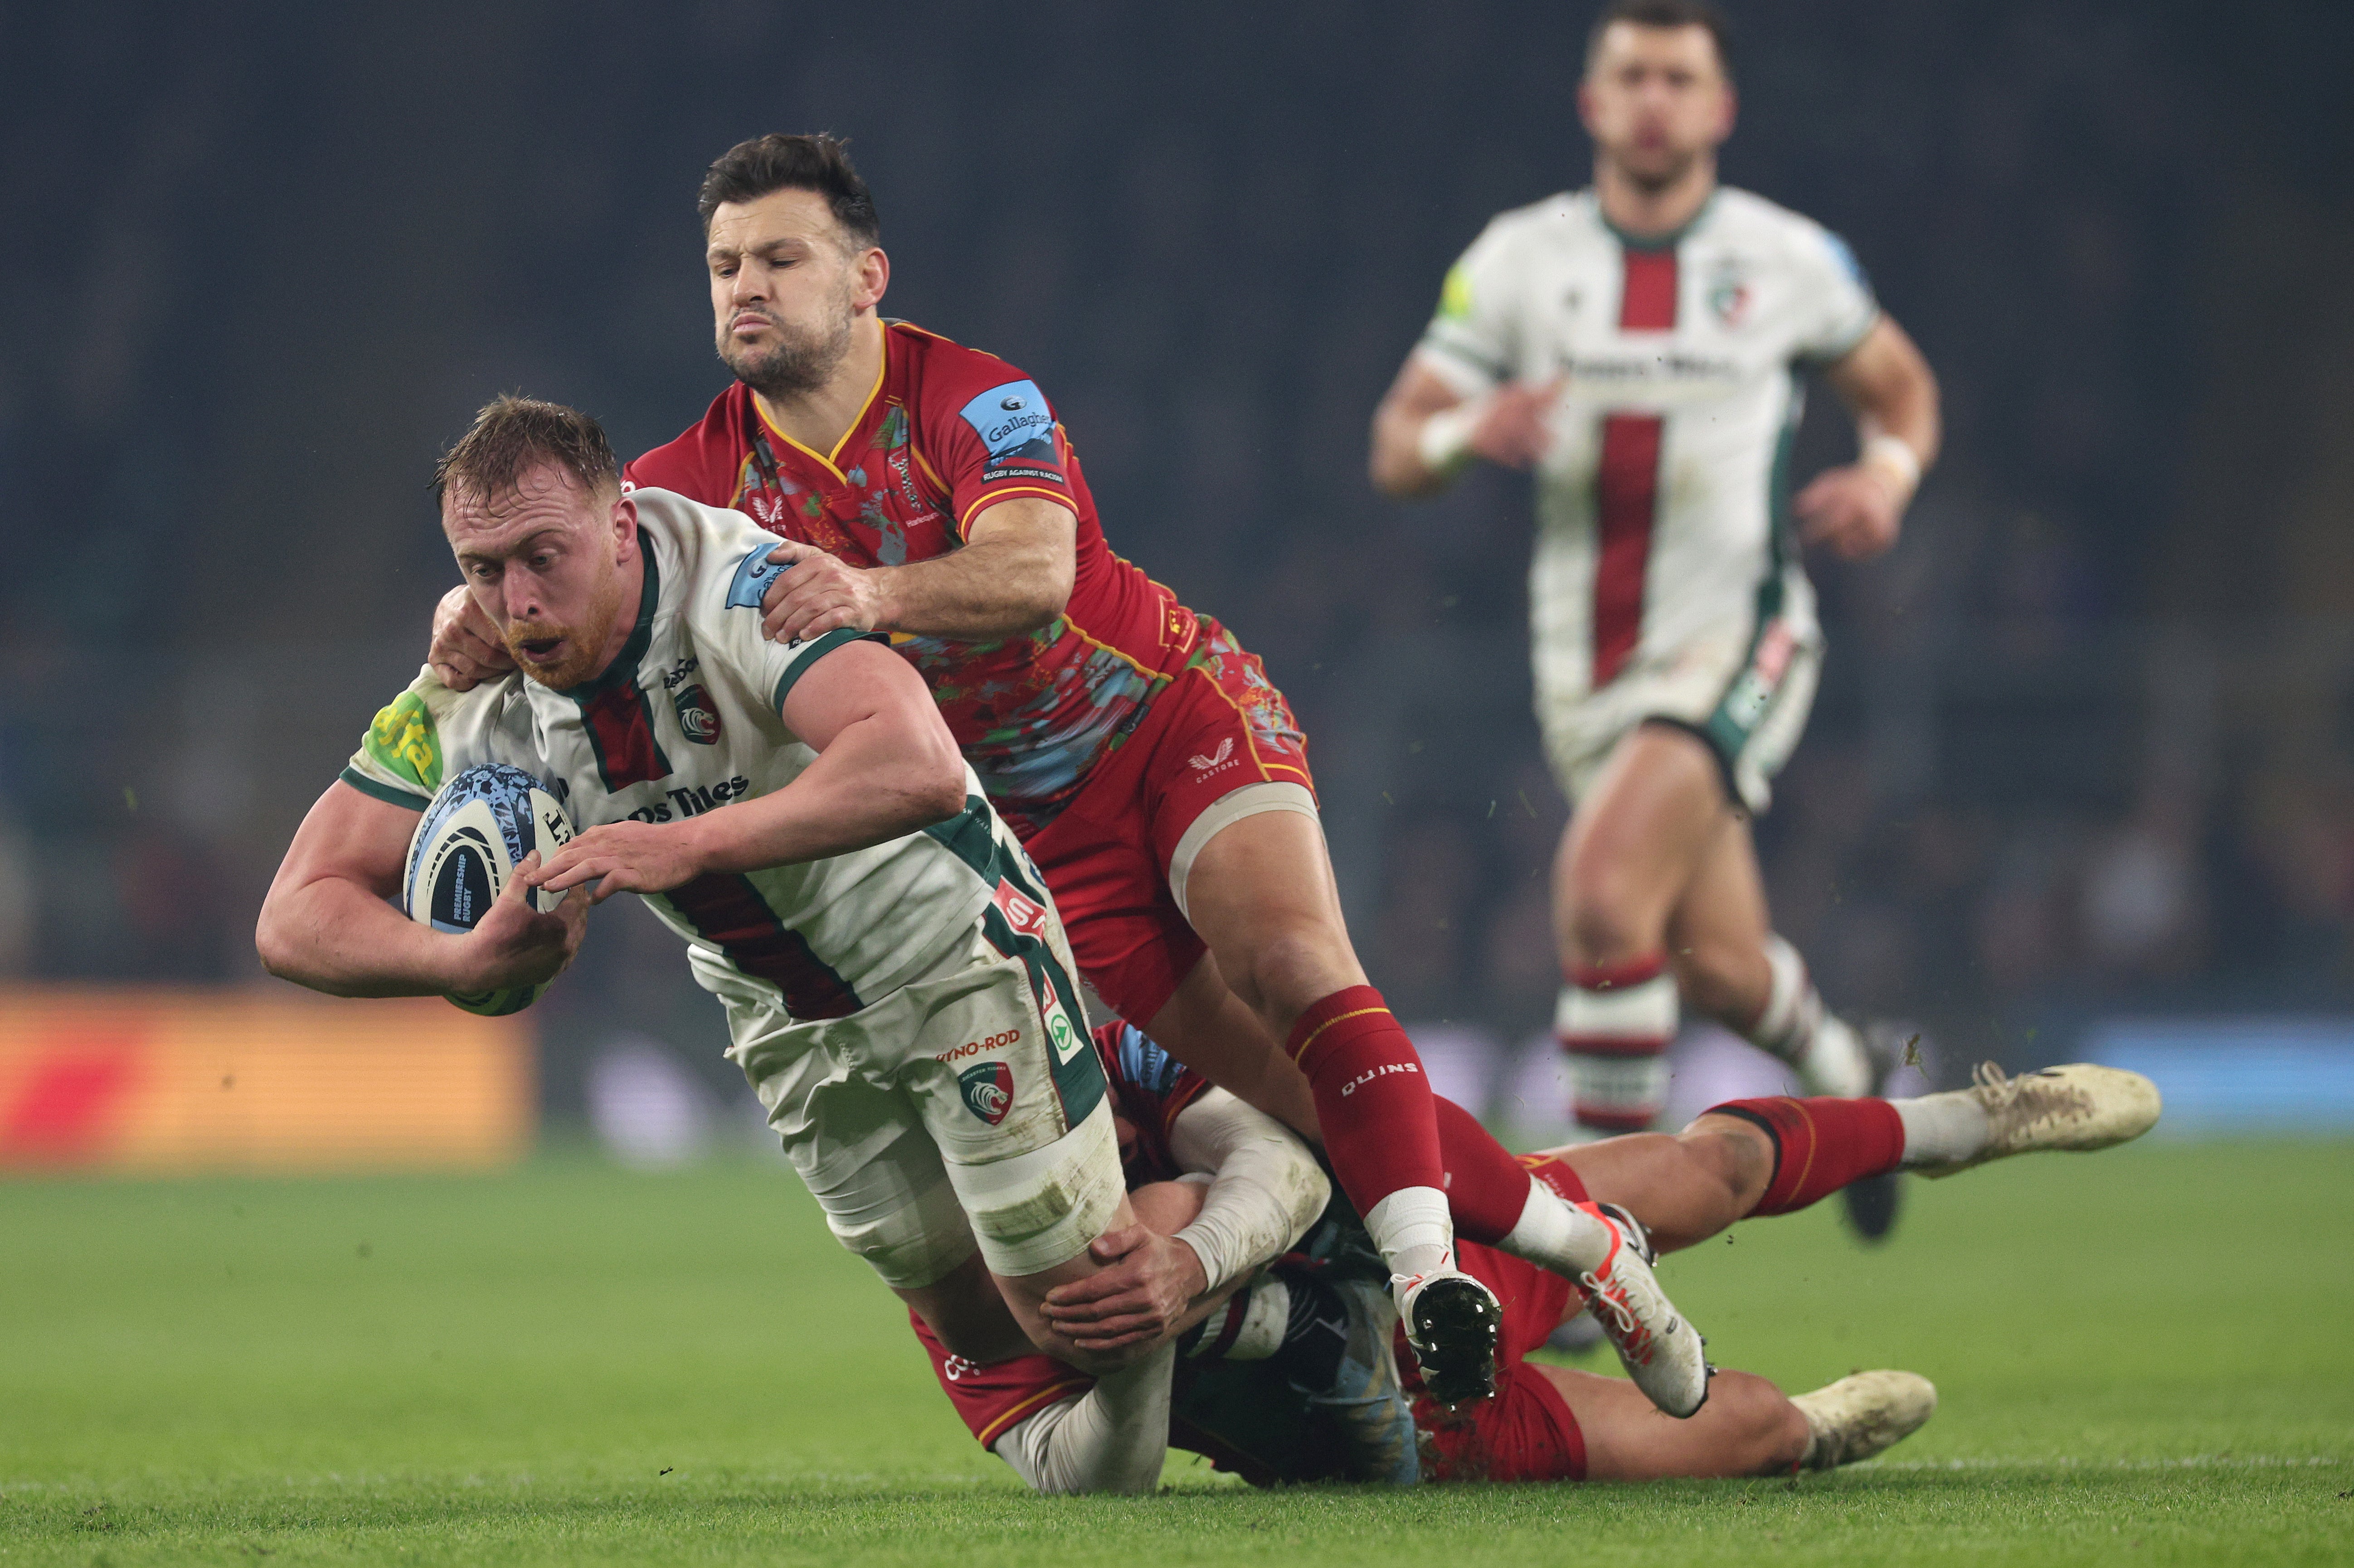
1662	501
685	720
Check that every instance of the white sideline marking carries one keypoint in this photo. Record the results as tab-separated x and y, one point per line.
2193	1462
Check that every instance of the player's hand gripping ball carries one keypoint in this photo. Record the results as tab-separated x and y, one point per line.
482	825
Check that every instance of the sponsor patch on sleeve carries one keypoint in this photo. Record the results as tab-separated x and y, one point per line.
1014	423
403	742
1455	295
754	573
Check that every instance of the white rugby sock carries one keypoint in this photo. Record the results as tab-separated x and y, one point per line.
1795	1027
1942	1129
1555	1235
1415	1230
1613	1023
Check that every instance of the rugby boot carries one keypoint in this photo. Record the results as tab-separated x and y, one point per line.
1659	1350
1863	1414
1453	1322
2080	1107
1365	1399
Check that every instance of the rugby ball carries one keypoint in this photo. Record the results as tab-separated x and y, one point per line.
477	831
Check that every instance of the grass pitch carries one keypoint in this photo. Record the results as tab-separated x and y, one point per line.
2143	1356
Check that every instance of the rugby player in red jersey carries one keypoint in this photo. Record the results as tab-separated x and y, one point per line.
1280	1382
1155	775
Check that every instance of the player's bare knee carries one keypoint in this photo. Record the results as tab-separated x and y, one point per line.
1602	924
1287	972
1731	1158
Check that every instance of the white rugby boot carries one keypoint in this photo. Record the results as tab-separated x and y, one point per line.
1659	1350
2079	1107
1863	1414
1453	1322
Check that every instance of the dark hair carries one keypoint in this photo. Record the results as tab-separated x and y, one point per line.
1666	14
750	170
512	435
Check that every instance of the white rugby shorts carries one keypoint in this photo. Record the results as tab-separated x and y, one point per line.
966	1108
1745	691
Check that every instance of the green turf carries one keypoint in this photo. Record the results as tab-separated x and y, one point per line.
2143	1356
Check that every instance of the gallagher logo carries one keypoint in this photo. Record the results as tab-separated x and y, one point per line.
696	716
988	1091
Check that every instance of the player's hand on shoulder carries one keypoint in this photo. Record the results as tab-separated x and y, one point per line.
1854	510
622	857
1147	1282
821	593
467	648
1514	429
515	945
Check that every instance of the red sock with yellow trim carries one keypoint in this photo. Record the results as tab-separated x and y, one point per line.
1819	1145
1522	1204
1381	1129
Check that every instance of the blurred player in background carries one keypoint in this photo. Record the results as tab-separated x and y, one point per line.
1153	772
1280	1377
1638	345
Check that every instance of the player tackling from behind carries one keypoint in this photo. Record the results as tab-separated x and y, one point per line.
1158	779
1288	1378
1638	345
897	985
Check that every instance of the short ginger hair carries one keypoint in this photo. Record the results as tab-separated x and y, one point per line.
512	435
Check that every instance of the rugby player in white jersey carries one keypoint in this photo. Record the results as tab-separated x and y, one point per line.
898	987
1639	344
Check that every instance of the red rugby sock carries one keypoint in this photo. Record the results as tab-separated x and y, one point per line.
1487	1184
1556	1177
1373	1100
1819	1145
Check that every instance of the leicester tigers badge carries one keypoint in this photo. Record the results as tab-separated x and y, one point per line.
988	1091
696	716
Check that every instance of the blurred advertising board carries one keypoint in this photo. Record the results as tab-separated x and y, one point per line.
2249	1075
161	1082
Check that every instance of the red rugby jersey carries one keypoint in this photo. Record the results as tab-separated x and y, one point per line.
946	432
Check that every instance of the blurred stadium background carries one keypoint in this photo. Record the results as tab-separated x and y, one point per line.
2081	777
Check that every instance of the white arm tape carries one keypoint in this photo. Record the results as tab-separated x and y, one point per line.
1895	454
1445	440
1266	1189
1110	1439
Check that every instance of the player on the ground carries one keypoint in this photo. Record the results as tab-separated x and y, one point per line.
1638	345
1155	775
896	982
1280	1381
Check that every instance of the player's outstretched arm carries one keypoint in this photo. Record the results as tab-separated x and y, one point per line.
1858	509
1426	431
887	766
1264	1190
328	922
1012	576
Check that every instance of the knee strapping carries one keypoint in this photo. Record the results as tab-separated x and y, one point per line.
919	1243
1037	1210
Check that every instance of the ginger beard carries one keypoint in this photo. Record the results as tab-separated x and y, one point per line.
584	645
